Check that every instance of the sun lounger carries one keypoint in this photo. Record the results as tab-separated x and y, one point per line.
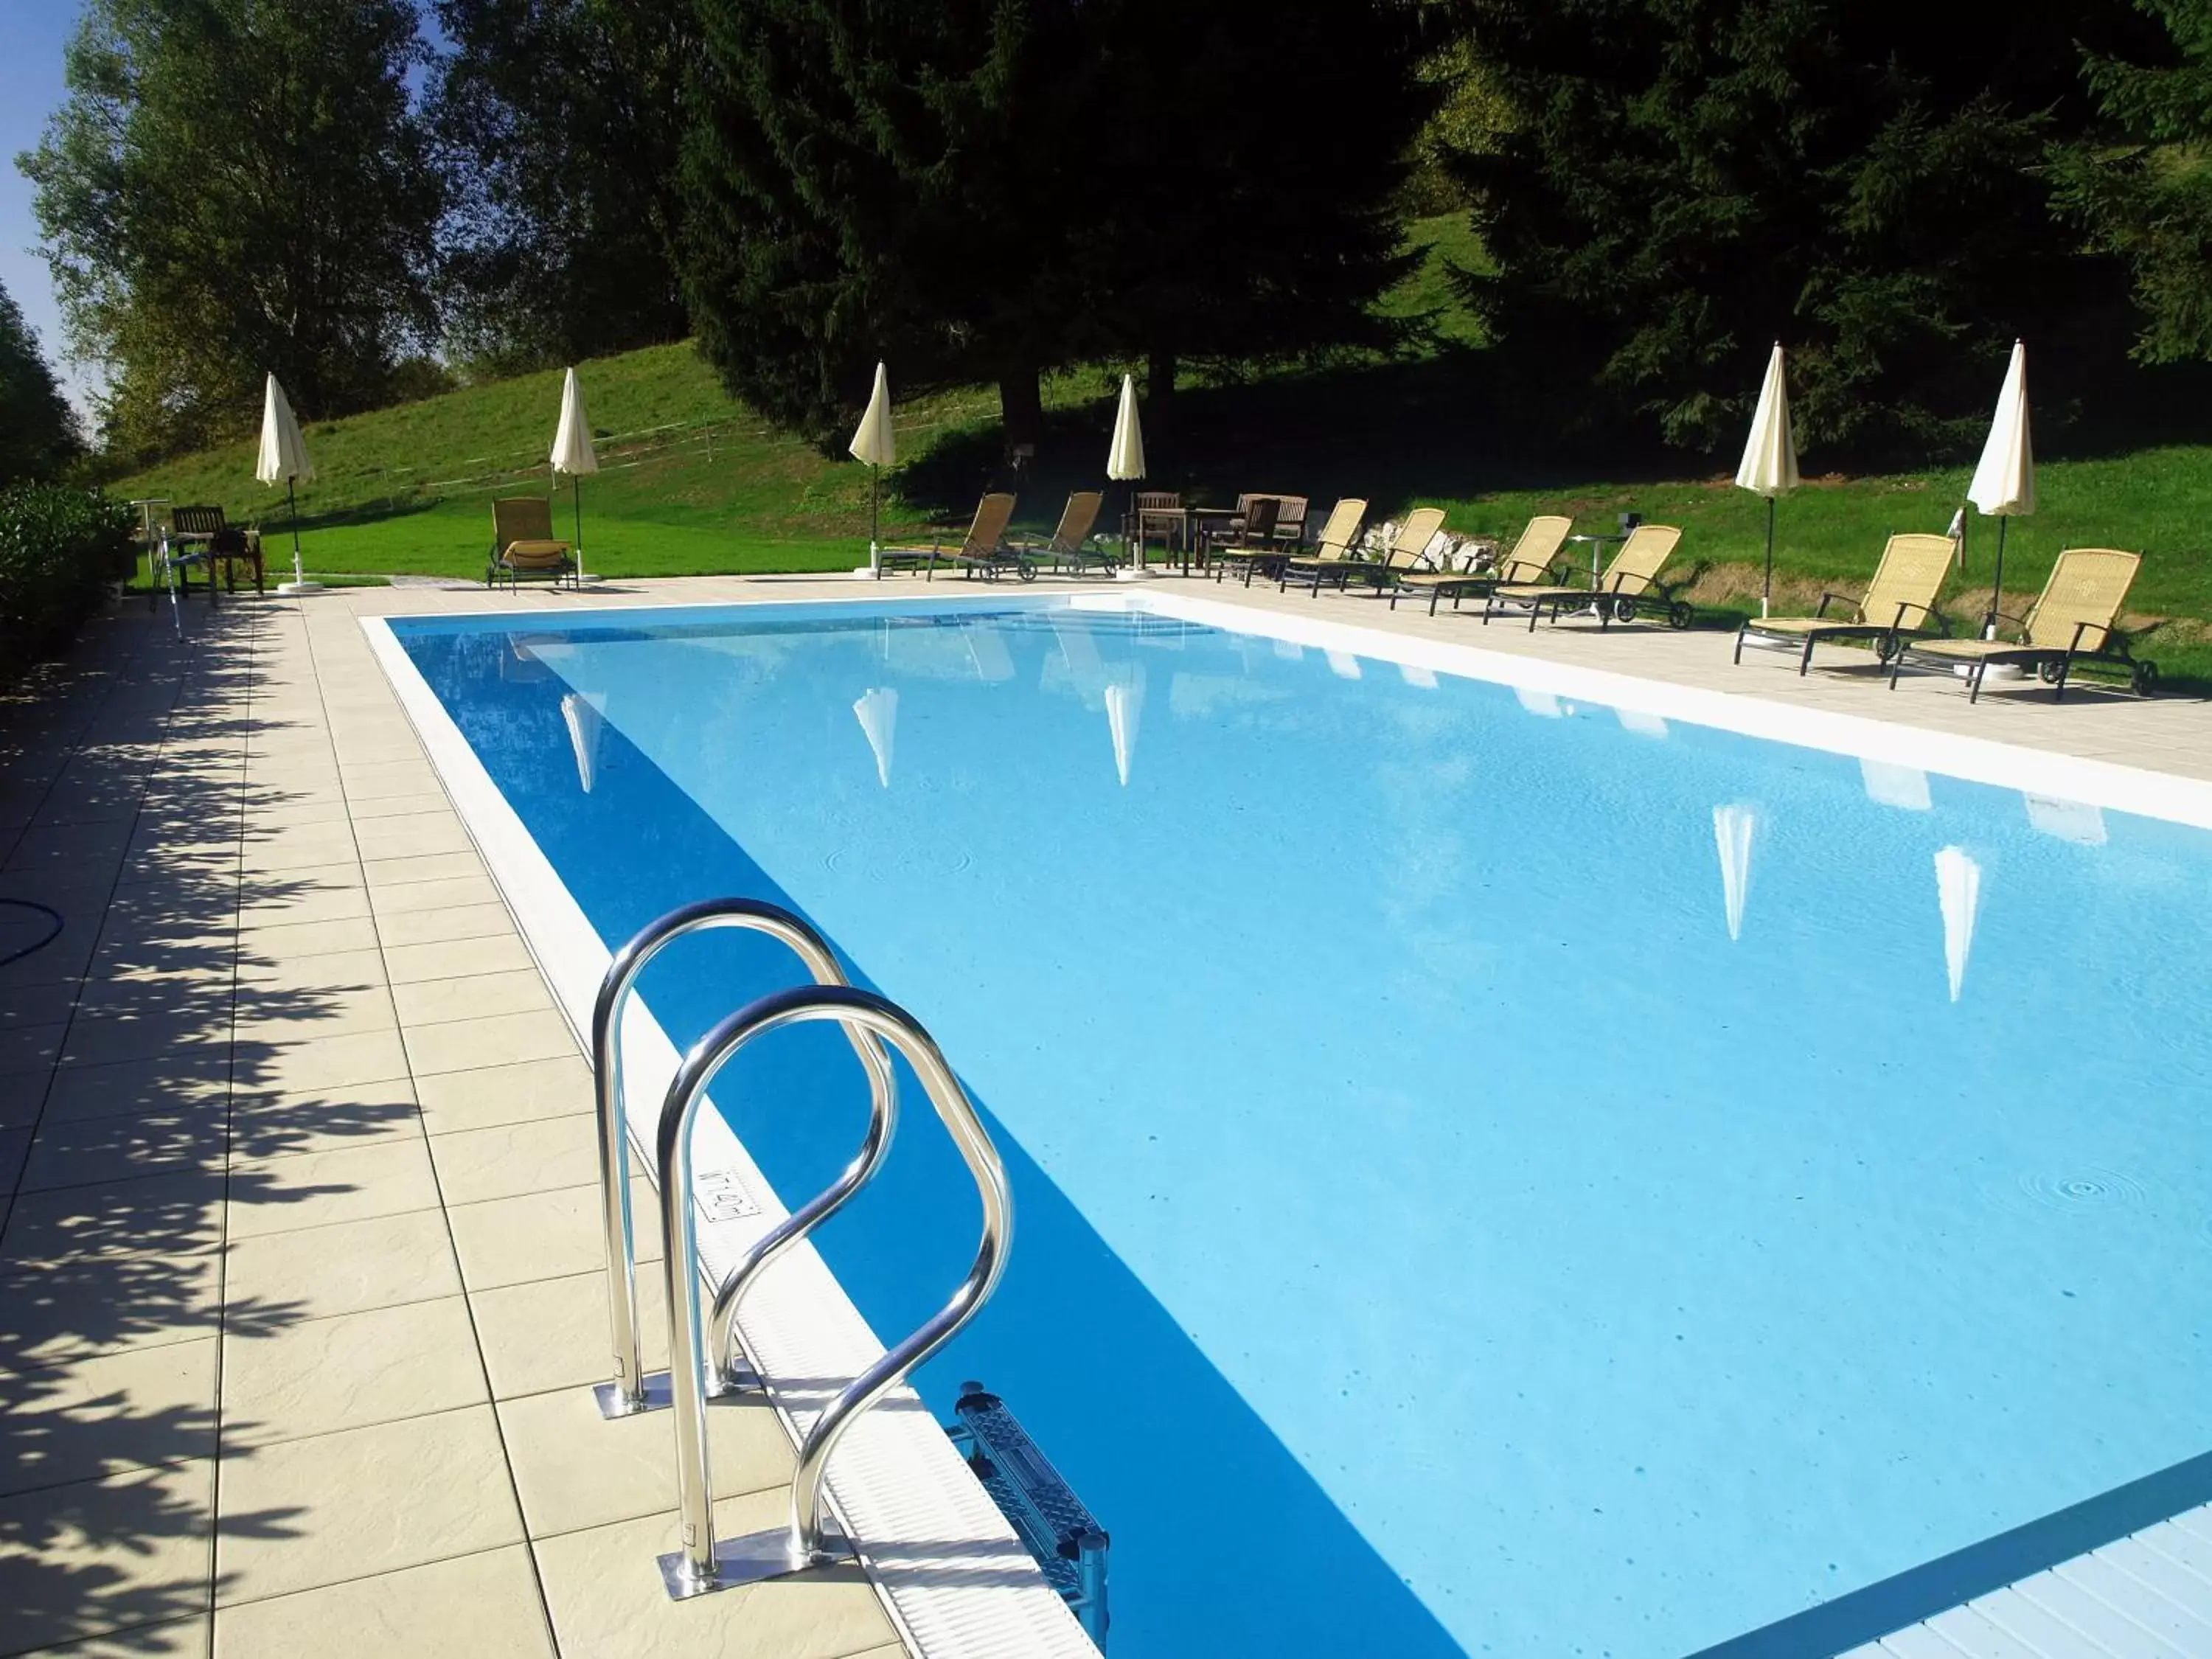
524	546
1332	553
1901	599
1070	543
1531	563
983	547
1253	544
1629	587
1405	555
2070	623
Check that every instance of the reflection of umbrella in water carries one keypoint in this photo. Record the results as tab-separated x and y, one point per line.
1888	784
1125	705
877	709
586	721
1732	830
1959	889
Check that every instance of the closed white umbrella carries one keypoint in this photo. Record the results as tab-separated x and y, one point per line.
2004	482
1125	463
1959	891
1733	827
573	454
285	455
1768	467
874	446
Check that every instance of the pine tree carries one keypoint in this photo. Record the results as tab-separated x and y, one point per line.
1681	182
38	432
236	187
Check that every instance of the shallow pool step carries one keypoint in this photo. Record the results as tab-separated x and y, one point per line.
2146	1596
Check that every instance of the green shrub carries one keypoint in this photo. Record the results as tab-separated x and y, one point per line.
58	548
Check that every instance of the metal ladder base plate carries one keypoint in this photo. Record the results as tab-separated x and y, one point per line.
659	1395
751	1559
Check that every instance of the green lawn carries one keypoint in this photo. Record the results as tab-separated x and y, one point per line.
695	485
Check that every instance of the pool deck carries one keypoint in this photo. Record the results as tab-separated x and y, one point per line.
299	1267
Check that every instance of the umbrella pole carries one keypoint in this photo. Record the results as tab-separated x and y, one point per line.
576	480
1766	593
292	506
875	518
1996	587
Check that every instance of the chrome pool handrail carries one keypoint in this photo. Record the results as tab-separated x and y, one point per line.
701	1565
630	1392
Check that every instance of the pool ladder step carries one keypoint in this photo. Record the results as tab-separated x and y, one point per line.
699	1368
1069	1545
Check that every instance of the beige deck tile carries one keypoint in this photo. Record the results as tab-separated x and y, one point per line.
322	1119
526	1092
461	921
126	1554
607	1600
375	1366
277	1279
153	1215
575	1469
362	1501
485	1606
170	1084
397	807
382	780
305	846
181	1638
271	946
81	1152
503	1161
95	1418
298	899
408	897
414	964
513	1241
28	1047
386	873
317	1189
493	1039
50	1003
271	1015
552	1332
299	1065
55	1314
472	997
422	834
351	970
22	1096
14	1148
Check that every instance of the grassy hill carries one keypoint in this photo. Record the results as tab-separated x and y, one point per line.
695	483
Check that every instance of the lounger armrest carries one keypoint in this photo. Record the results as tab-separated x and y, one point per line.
1846	598
1903	605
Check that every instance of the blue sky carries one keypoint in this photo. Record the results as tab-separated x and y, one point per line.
31	35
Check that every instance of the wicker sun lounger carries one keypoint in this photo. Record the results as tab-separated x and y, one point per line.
1900	600
1332	553
983	547
1530	563
524	546
1070	543
1404	555
2071	623
1629	588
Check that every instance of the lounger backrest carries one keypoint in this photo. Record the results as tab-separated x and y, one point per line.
1908	579
2087	586
1076	518
521	519
1344	521
1635	567
992	514
1414	535
1539	545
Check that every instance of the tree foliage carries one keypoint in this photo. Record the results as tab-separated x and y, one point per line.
236	187
38	430
983	189
1681	182
2142	188
561	124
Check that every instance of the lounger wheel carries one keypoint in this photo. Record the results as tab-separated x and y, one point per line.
1029	572
1678	614
2047	672
2144	676
1624	610
1886	646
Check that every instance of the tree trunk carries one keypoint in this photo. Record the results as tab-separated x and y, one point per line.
1160	396
1021	405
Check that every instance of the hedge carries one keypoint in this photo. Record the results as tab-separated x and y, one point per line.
60	548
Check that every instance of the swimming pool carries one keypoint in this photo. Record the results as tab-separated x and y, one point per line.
1497	1171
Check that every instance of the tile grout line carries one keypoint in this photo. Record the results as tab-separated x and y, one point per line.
438	1183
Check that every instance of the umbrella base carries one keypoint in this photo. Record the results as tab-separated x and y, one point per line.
1137	573
289	590
589	578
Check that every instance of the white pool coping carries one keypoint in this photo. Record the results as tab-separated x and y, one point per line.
897	1475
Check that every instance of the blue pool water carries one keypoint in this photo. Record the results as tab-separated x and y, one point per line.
1437	1232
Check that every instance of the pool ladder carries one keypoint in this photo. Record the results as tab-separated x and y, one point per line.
697	1367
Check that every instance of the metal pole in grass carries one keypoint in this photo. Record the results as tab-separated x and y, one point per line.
2004	480
874	446
1769	466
